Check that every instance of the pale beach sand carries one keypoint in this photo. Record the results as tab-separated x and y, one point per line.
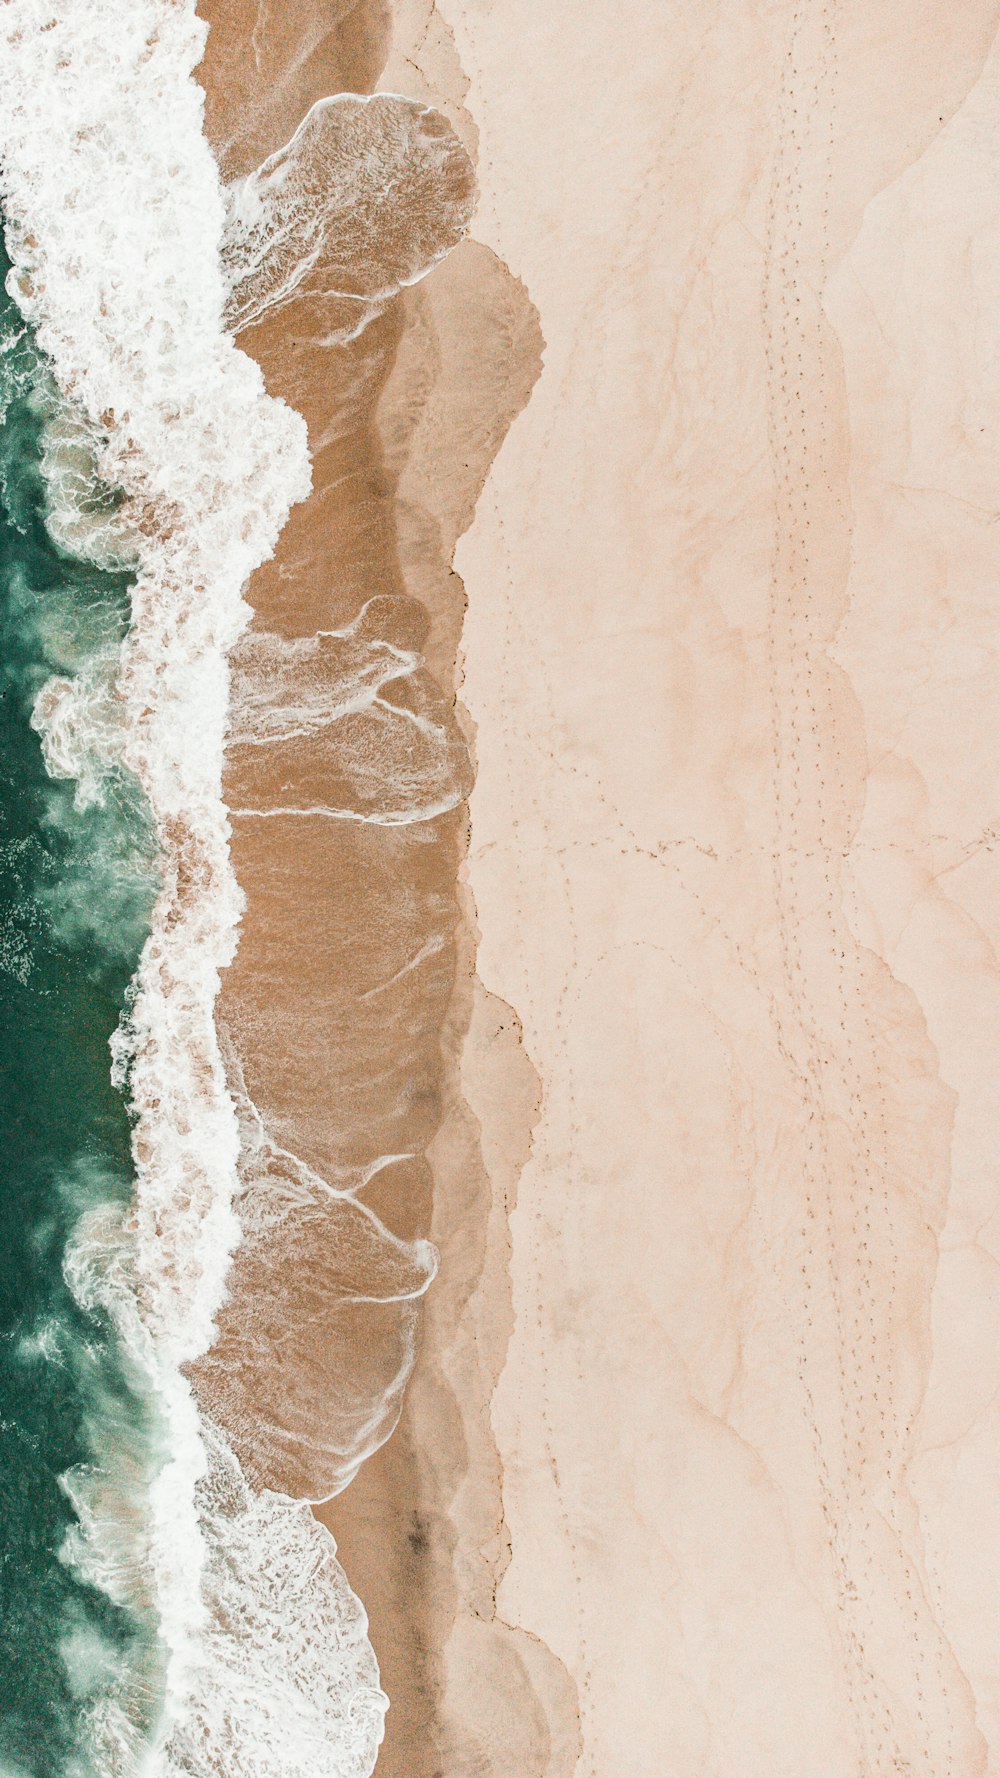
732	653
696	1473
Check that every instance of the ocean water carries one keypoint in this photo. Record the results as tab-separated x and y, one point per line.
76	890
162	1610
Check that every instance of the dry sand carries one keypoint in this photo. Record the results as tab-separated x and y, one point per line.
732	652
697	1474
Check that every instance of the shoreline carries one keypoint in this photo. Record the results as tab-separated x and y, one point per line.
689	1446
430	390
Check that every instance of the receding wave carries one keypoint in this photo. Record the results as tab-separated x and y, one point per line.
370	192
165	460
355	722
316	1338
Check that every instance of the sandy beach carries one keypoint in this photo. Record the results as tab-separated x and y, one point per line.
732	843
681	472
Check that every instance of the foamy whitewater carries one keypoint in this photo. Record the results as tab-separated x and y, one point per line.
115	220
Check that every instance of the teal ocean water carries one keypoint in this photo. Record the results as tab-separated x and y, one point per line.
76	885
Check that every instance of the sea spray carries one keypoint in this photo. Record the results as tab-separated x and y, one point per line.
371	191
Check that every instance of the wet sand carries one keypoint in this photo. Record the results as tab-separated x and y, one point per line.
352	991
695	1473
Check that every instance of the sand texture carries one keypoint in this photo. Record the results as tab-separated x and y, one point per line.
732	652
692	1039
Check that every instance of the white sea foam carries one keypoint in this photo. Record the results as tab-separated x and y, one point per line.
114	219
83	518
274	1588
283	689
80	723
319	1331
370	193
351	714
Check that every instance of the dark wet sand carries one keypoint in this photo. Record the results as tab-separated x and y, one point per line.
732	647
345	1057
